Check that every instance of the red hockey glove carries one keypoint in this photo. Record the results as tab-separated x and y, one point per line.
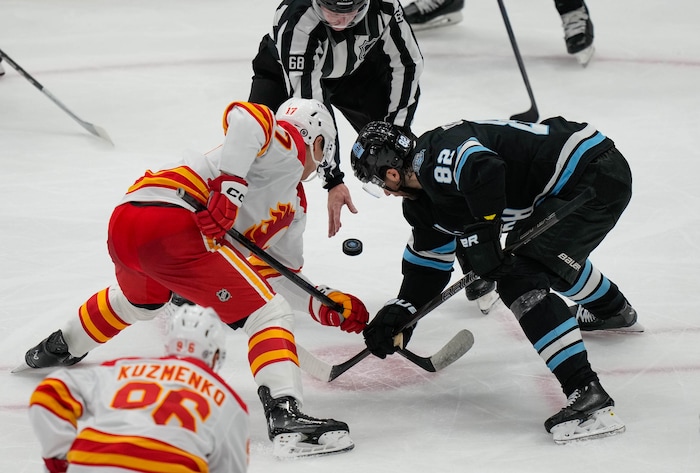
56	465
354	317
227	193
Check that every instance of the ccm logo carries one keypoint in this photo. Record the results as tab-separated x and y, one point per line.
235	194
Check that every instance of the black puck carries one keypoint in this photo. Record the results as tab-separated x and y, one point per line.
352	247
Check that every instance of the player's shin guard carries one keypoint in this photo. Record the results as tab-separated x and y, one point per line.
101	318
553	332
272	351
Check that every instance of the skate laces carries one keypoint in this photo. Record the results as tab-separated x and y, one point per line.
574	22
426	6
583	315
573	397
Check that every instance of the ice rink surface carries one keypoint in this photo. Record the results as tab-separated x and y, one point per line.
157	75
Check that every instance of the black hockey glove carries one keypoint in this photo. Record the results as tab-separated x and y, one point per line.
482	246
379	334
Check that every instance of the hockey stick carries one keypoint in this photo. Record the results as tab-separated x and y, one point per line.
263	255
532	115
94	129
310	289
527	236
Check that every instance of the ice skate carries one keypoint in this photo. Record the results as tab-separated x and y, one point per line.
424	14
484	293
578	34
295	435
52	352
623	321
588	415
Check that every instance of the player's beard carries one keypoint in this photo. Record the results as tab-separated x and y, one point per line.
410	193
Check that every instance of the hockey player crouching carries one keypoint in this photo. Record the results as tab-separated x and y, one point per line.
152	413
466	182
161	245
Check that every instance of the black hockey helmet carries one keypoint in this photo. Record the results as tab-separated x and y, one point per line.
380	146
342	6
353	10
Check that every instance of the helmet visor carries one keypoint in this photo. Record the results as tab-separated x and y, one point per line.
340	19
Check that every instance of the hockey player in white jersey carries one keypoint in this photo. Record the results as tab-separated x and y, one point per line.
147	414
161	245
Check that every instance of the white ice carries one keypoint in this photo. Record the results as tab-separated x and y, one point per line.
157	75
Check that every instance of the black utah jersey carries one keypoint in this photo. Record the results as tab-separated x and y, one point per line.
472	170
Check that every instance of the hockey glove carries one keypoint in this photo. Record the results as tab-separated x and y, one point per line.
226	196
353	318
379	334
56	465
482	246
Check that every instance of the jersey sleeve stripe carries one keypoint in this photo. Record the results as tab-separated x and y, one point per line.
53	395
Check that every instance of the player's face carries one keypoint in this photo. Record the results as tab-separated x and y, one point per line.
338	21
312	162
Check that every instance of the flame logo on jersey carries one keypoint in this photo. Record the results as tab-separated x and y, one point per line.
280	218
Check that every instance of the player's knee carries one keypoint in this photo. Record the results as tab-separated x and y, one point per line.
526	302
276	313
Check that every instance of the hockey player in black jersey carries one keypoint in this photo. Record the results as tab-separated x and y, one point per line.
467	182
359	56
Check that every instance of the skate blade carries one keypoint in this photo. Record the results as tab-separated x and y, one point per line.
602	423
444	20
584	57
634	328
292	445
20	368
25	368
486	302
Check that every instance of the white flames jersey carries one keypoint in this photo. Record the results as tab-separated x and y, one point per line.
141	414
270	156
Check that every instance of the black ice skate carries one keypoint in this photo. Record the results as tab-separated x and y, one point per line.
623	321
578	34
587	415
484	293
294	434
51	352
424	14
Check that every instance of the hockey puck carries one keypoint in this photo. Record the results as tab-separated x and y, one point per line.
352	247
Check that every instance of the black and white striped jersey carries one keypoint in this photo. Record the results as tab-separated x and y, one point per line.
310	51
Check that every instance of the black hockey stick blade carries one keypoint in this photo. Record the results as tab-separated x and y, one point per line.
453	350
531	116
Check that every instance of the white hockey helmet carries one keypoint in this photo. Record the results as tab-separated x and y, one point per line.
197	332
312	119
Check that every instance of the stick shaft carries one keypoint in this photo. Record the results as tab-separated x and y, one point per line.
267	258
92	129
531	115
